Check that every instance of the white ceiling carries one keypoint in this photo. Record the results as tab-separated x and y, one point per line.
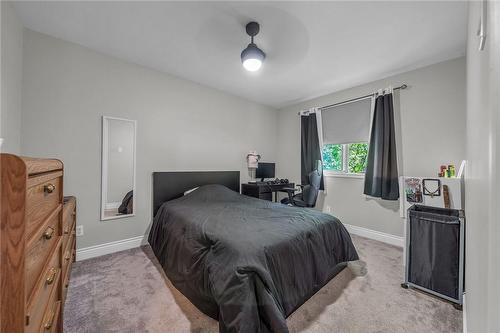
312	48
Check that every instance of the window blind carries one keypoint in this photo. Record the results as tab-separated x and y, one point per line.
347	123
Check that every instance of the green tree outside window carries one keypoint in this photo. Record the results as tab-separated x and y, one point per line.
358	153
354	160
332	157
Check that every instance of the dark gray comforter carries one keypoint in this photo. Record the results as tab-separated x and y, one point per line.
247	262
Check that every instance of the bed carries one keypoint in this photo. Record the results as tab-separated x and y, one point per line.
245	262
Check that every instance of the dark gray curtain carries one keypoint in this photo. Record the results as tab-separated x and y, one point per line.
381	178
310	151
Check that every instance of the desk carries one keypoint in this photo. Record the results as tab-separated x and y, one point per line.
264	191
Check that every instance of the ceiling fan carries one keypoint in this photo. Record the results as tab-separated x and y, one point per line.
252	57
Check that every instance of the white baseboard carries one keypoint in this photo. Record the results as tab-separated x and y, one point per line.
376	235
107	248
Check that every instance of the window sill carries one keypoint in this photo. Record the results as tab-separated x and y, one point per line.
343	175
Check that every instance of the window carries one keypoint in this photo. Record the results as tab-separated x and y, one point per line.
357	157
348	158
345	135
333	159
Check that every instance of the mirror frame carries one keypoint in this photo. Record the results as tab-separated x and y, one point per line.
104	168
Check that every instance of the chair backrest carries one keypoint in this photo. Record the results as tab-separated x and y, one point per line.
310	191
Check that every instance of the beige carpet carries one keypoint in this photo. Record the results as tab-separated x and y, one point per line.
128	292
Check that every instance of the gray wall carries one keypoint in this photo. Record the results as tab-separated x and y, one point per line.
180	125
11	73
432	119
482	183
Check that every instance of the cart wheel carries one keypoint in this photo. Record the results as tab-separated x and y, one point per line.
404	285
458	306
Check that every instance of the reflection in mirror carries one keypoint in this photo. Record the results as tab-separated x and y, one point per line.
118	168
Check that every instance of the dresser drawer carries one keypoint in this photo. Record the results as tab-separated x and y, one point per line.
51	317
65	285
58	327
68	232
68	254
42	197
69	207
39	248
49	284
69	219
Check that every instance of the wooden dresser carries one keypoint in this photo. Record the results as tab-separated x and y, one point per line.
37	248
69	241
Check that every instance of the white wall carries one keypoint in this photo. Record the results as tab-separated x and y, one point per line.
482	182
432	118
11	73
180	125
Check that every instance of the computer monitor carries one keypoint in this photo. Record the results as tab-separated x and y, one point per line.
265	170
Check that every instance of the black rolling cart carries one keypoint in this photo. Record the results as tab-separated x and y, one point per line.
435	248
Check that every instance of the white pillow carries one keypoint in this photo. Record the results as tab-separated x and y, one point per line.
191	190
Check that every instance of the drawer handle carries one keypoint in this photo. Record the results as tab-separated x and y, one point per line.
50	320
51	276
66	230
67	255
49	188
48	233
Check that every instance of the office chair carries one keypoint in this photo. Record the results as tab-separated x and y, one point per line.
307	197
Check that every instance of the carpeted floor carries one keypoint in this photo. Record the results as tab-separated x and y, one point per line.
128	292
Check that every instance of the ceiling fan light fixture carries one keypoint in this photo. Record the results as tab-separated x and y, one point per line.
252	57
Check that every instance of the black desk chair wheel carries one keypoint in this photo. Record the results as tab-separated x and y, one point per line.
309	193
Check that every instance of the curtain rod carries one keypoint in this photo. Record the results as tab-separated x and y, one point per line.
402	87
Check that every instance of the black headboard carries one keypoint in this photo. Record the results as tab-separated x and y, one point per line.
172	185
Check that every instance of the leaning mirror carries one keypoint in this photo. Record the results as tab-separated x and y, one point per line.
118	168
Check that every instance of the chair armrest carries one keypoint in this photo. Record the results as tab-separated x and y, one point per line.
288	189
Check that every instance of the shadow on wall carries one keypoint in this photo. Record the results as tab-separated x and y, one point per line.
390	205
387	204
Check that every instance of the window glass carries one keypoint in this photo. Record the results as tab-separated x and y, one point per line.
357	157
345	158
332	157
